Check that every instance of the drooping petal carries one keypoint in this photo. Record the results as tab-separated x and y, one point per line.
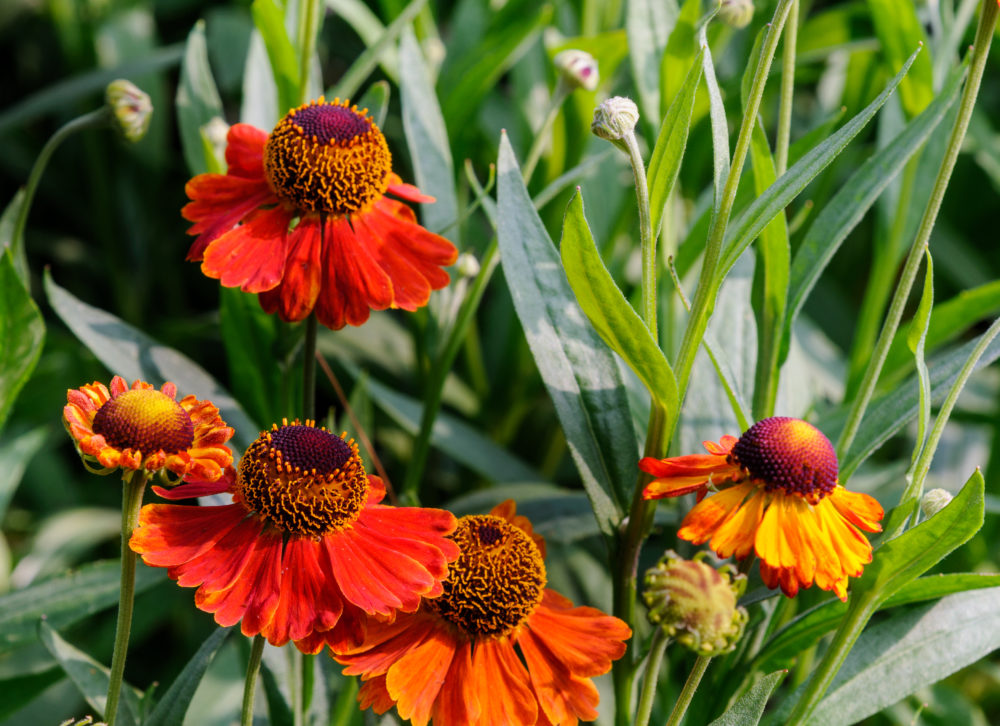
218	567
309	598
353	284
295	296
735	536
218	203
415	680
458	700
858	508
502	684
563	696
251	256
245	151
385	644
373	695
701	522
169	535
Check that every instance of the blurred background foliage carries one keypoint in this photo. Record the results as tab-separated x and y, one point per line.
106	226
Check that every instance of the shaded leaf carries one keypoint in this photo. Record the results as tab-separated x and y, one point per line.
750	706
174	704
16	693
899	30
22	334
197	102
648	24
15	453
269	19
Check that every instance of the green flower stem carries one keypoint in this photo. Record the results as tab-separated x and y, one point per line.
787	91
647	241
250	686
132	491
980	52
687	693
656	650
542	137
309	368
295	686
93	119
308	22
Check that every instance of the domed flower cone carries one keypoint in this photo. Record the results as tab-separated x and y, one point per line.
497	647
302	217
305	552
773	491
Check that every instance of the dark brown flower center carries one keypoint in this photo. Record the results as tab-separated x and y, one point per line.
303	479
788	454
145	420
497	580
327	157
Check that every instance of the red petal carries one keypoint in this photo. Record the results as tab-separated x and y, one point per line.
410	193
415	680
217	568
251	256
218	203
309	598
245	151
169	535
501	683
295	296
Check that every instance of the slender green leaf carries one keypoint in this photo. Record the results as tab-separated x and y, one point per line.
172	707
579	371
899	31
90	677
609	312
749	224
7	221
249	336
750	706
373	34
894	410
376	50
806	629
260	93
912	553
917	340
426	135
911	651
717	117
15	454
681	47
949	320
65	599
18	692
665	161
269	19
376	100
648	24
133	355
197	101
842	213
22	334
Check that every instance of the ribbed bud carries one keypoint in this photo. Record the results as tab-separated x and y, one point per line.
131	108
578	68
615	118
696	604
934	501
736	13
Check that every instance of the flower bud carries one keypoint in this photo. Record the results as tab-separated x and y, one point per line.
578	69
130	107
736	13
615	118
934	501
696	604
467	265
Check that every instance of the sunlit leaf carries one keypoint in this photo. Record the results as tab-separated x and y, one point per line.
750	706
197	102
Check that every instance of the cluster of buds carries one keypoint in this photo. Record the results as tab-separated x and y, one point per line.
696	604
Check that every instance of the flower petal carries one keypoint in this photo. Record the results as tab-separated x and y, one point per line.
415	680
502	684
309	598
168	534
251	256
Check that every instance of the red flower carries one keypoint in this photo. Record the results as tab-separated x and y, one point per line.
142	428
496	647
301	218
305	551
773	491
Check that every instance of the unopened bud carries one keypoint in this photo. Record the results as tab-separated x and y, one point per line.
615	118
467	265
578	68
736	13
130	107
934	501
696	604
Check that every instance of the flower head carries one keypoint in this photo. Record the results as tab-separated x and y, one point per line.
773	491
302	218
497	647
144	428
305	551
578	68
615	118
695	603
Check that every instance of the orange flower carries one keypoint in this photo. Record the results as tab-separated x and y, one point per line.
773	491
327	168
305	551
142	428
497	647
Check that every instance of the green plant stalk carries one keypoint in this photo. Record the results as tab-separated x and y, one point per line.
915	489
980	53
881	276
663	423
539	143
93	119
250	686
656	650
647	241
308	26
687	693
132	491
783	135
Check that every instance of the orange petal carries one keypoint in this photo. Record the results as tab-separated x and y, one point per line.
563	696
251	256
859	509
217	568
502	684
415	680
735	536
309	598
170	535
701	522
457	702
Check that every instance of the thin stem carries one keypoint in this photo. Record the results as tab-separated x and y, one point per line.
308	22
100	117
687	693
646	239
542	136
980	52
787	91
132	492
656	650
250	686
295	686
